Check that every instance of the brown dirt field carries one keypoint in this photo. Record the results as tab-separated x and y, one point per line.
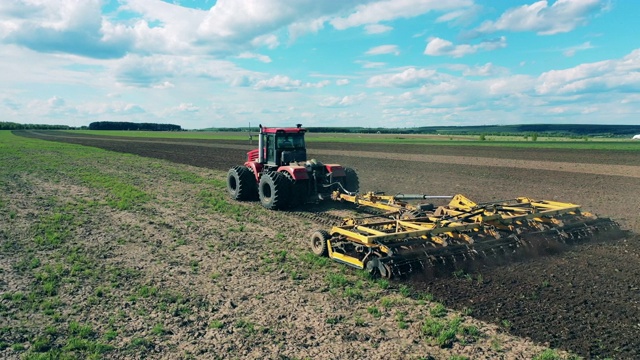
585	299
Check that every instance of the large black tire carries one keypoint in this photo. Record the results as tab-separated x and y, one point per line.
318	243
273	190
298	192
241	184
350	182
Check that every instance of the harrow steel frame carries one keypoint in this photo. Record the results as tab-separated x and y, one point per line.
417	236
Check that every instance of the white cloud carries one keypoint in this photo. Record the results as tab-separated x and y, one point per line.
630	98
278	83
586	91
240	21
55	102
114	108
512	85
148	62
370	64
345	101
186	107
461	17
164	85
411	77
318	85
386	10
228	28
268	40
258	17
162	26
571	51
149	71
420	34
241	81
445	91
298	29
487	69
249	55
69	26
620	75
377	28
562	16
442	47
384	49
164	70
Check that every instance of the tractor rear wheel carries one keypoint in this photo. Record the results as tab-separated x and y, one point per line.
241	184
273	190
319	243
350	182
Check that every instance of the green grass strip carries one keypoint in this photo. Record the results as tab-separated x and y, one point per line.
586	143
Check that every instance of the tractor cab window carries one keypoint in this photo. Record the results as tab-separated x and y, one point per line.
298	142
290	141
271	152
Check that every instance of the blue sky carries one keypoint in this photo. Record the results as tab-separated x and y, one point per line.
389	63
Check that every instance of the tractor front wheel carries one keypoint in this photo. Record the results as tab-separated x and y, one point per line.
273	190
241	184
298	192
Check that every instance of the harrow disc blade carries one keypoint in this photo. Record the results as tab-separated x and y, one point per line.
526	243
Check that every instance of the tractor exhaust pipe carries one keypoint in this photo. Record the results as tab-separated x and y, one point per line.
260	147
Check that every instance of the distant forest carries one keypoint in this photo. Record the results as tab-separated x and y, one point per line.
113	125
568	130
16	126
540	129
98	125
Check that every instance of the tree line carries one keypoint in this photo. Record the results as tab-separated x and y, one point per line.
560	130
115	125
98	125
16	126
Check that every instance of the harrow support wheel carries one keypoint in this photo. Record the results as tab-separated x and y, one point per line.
319	243
241	184
273	190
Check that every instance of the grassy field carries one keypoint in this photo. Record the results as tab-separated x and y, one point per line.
587	143
112	255
68	214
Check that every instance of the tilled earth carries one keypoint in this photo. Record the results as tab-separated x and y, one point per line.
585	299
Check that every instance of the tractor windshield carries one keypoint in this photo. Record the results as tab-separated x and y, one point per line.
291	141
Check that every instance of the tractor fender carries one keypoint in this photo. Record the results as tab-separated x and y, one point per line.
296	172
256	167
253	155
335	170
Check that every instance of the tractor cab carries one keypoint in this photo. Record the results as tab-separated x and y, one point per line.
282	146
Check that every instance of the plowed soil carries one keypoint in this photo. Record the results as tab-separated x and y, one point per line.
585	299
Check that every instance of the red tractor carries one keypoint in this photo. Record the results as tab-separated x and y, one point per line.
279	174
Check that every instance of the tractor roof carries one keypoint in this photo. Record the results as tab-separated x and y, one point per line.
289	130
